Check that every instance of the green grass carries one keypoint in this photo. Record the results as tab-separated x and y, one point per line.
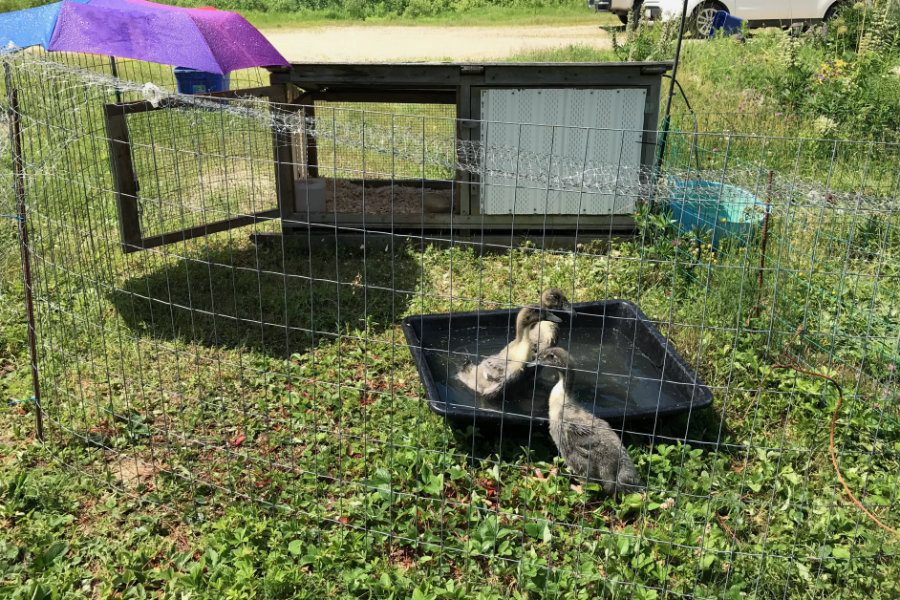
234	421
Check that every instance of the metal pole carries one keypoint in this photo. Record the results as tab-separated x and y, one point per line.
665	127
115	73
19	170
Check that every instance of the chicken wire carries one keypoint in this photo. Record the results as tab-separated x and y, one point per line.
214	371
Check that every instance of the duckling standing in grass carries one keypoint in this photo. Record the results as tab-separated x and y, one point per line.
546	334
489	377
590	447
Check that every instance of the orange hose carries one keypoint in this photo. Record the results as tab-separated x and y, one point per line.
834	462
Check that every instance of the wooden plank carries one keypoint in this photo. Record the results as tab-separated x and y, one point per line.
311	150
572	75
411	96
206	229
305	240
447	221
124	181
363	74
283	152
141	106
431	74
651	125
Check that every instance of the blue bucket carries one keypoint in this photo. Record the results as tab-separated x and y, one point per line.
721	209
724	22
191	81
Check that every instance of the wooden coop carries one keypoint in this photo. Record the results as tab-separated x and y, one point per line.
465	150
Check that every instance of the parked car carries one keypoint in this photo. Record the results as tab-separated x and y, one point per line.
755	12
620	8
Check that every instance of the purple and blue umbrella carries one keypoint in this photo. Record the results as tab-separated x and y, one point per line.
204	39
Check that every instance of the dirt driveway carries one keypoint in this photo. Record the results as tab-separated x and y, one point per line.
373	43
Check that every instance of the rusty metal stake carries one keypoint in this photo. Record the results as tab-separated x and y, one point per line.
756	310
19	170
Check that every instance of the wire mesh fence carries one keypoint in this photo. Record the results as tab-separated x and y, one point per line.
239	366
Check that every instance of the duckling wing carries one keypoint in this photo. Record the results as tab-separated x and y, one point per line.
491	375
467	376
594	451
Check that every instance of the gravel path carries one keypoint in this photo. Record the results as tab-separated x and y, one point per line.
372	43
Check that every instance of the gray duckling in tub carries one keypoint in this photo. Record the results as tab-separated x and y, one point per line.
546	334
492	375
587	444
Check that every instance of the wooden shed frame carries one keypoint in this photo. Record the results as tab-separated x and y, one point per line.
461	84
458	84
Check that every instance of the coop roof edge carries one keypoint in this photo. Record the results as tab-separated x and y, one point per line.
443	73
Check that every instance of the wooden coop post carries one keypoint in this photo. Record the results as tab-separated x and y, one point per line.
124	180
283	95
309	158
467	132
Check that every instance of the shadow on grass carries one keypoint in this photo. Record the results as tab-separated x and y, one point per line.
277	300
702	428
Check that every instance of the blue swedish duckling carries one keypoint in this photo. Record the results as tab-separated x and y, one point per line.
489	377
588	445
546	334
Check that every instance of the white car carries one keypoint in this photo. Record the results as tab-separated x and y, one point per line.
757	12
620	8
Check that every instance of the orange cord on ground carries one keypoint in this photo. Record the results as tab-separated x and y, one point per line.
837	469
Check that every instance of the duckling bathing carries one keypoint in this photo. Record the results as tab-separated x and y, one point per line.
489	377
588	445
546	334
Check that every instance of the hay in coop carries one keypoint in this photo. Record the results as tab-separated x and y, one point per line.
382	199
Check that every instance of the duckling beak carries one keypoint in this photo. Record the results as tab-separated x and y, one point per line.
549	316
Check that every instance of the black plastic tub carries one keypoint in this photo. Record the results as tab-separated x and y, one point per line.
627	371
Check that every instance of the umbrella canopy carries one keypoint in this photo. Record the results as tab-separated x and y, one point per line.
30	27
204	39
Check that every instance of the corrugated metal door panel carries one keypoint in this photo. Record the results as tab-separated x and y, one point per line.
539	142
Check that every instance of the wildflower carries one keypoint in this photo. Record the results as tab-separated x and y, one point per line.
778	114
715	149
891	368
824	125
724	219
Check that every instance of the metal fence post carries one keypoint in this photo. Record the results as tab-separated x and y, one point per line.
15	132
